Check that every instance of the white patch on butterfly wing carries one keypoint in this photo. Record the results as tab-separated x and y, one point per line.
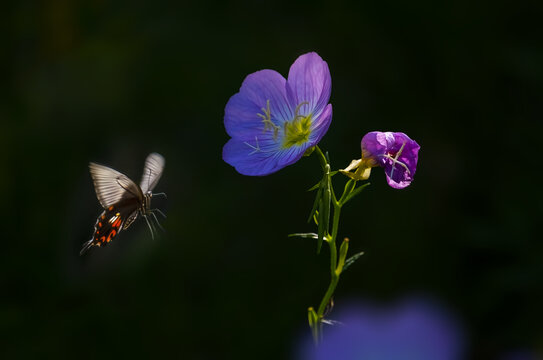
112	186
154	165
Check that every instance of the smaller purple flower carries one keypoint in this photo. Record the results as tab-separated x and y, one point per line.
393	151
273	120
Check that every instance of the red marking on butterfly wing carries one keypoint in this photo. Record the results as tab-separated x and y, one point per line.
108	226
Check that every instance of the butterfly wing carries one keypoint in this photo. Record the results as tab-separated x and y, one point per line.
112	220
154	164
111	186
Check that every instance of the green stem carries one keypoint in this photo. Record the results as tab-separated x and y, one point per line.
334	274
336	265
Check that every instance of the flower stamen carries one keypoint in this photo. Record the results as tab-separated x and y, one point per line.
255	148
395	160
296	114
298	130
268	123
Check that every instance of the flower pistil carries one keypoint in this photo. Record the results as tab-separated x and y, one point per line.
298	130
395	160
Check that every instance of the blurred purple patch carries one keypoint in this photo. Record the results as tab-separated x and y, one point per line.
521	355
393	151
414	329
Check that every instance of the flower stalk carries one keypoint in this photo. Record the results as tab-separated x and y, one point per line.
337	261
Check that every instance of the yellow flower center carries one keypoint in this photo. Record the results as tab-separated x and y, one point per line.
298	130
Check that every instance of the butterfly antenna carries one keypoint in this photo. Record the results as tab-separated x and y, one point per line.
86	246
150	227
160	212
156	220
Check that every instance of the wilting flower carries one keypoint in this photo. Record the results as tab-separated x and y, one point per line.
393	151
413	329
273	121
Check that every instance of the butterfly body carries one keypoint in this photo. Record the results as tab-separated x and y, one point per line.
123	201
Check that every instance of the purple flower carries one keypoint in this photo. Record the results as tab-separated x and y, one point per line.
395	152
273	121
413	329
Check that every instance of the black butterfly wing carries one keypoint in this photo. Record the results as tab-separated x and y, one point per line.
111	222
121	199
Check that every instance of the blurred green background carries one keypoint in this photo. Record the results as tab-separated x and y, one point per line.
111	82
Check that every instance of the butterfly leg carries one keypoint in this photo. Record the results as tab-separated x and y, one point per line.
150	227
160	212
161	194
156	220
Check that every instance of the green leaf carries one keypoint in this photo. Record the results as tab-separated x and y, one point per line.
324	209
304	235
315	204
321	228
351	260
313	320
355	192
349	187
325	217
315	187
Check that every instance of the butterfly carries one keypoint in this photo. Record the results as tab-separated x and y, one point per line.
123	201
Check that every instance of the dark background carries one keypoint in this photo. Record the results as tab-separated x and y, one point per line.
111	82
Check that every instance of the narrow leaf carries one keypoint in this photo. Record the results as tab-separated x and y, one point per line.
326	199
349	187
315	187
355	192
321	228
313	320
324	207
351	260
315	204
304	235
325	219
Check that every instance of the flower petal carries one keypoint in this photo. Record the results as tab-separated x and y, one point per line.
249	161
241	111
401	176
320	125
374	145
309	80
